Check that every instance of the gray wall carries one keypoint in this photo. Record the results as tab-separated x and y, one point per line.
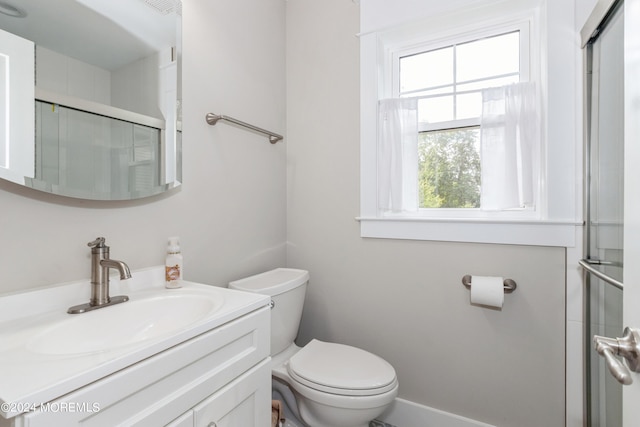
230	213
403	299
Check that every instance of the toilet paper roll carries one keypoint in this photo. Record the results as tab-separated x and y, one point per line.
487	290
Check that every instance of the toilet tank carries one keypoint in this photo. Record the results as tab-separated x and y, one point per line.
287	288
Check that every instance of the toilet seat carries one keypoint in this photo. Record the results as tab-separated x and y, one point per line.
341	370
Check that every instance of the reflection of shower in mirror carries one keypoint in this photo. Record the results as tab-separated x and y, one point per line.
125	69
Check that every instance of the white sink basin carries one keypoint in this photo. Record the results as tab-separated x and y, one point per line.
46	353
131	322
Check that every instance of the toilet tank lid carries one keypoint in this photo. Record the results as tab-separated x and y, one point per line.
273	282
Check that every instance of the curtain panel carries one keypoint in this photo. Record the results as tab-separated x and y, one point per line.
509	147
398	155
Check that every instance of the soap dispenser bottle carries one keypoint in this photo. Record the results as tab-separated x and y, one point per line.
173	264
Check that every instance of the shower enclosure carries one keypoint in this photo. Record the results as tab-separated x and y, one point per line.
87	155
604	207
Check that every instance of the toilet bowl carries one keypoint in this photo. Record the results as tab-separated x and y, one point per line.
334	385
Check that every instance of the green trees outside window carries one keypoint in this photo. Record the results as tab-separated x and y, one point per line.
449	168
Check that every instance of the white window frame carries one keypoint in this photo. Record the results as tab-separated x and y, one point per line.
392	79
530	227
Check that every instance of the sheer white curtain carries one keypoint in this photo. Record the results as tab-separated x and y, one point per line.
509	147
398	155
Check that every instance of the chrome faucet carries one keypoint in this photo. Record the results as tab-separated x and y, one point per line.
100	265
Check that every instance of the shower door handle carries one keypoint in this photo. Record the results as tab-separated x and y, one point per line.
628	347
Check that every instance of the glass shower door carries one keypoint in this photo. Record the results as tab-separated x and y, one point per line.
604	210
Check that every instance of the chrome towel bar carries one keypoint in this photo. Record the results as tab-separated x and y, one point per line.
509	284
588	264
212	119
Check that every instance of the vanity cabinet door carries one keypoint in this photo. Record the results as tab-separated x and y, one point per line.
244	402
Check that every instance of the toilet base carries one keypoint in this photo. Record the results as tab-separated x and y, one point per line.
319	415
281	392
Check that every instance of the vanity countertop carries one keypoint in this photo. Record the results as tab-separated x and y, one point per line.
31	373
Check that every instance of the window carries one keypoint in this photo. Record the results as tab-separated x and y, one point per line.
435	66
447	79
448	82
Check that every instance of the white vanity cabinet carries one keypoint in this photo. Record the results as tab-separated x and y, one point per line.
219	378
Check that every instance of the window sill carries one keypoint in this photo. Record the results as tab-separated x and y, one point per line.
510	232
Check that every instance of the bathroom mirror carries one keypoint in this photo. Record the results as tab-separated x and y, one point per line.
107	114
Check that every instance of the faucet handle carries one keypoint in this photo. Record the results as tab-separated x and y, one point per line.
98	243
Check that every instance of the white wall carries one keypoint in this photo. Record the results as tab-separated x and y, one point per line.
403	299
230	213
136	86
68	76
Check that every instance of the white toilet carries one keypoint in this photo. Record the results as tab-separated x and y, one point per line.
334	385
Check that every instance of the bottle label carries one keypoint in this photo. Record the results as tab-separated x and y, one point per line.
172	273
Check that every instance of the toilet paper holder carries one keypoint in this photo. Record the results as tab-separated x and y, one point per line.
509	284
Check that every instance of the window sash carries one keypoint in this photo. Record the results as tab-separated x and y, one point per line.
392	82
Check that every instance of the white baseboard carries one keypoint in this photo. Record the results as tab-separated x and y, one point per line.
403	413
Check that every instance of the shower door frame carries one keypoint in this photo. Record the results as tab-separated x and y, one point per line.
599	18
